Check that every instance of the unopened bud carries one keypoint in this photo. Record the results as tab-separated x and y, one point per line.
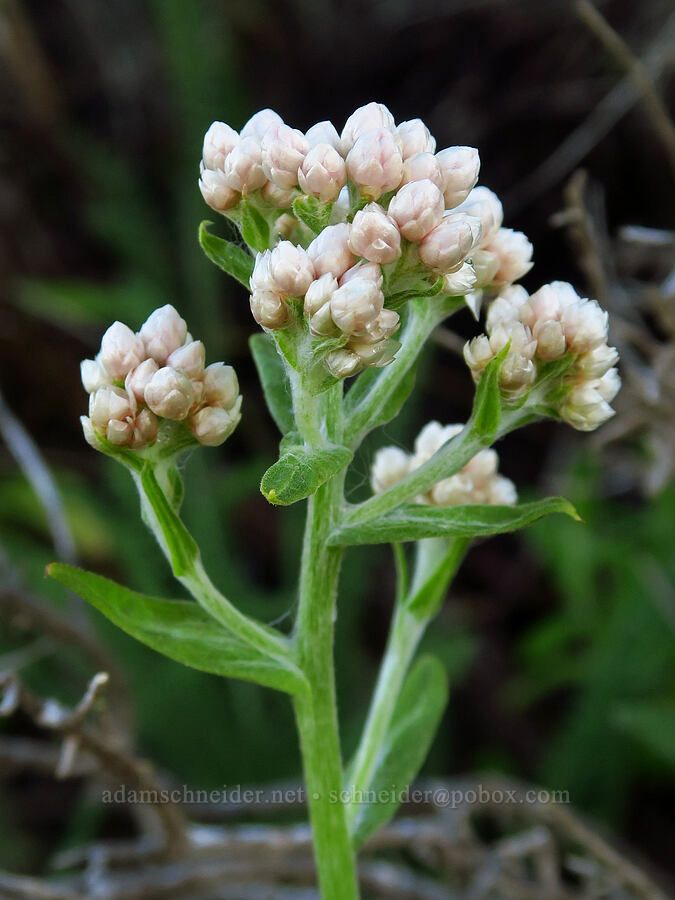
501	492
323	133
374	163
109	403
260	279
329	251
290	269
417	208
121	350
269	310
363	270
212	425
190	359
365	118
343	363
597	361
216	191
485	205
390	465
137	380
374	235
355	304
414	137
460	282
585	325
609	385
374	353
454	491
446	247
243	167
219	140
323	173
317	304
169	394
421	166
221	387
459	168
514	253
120	433
482	467
506	307
258	124
145	429
485	265
516	375
382	326
94	375
283	150
278	197
584	407
163	332
550	338
430	439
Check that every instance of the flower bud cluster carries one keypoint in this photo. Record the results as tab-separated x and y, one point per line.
549	325
138	381
477	483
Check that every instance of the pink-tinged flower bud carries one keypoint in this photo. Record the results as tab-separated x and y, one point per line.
283	150
365	118
258	124
319	293
343	363
219	141
550	338
460	282
414	137
138	378
375	164
485	205
421	166
390	465
170	394
163	332
597	362
243	167
514	253
477	354
549	302
382	326
276	196
212	425
518	337
290	269
363	270
329	251
119	433
430	439
323	133
121	350
446	247
417	208
517	375
260	279
109	403
373	353
342	206
355	304
505	309
584	407
285	225
459	170
585	325
374	235
323	173
94	375
501	492
190	359
269	310
216	191
89	432
145	429
485	265
221	387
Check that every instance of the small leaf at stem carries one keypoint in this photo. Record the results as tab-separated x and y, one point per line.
254	227
313	213
181	545
179	629
411	731
300	472
413	522
274	380
427	599
487	404
228	256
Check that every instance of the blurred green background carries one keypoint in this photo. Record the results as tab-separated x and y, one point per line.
559	641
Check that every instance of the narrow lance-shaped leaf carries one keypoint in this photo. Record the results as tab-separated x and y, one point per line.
299	473
427	598
416	521
183	550
179	629
274	380
411	731
484	421
228	256
254	227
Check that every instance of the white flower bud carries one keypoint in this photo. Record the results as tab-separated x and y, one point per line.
355	304
486	206
514	252
585	325
243	167
375	164
550	337
329	251
482	467
430	439
276	196
319	293
163	332
343	363
505	308
258	124
596	362
342	206
363	270
145	429
417	208
485	265
373	353
517	374
285	225
109	403
119	433
382	326
473	300
446	247
477	354
283	150
138	378
94	375
460	282
216	191
170	394
89	432
260	279
323	173
454	491
518	337
219	140
365	118
414	137
323	133
269	310
609	385
390	465
290	269
374	235
584	407
221	387
421	166
549	302
459	169
501	492
190	359
212	425
121	350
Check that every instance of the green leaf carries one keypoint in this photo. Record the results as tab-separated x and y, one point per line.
652	725
414	722
228	256
487	404
367	381
300	472
313	213
254	227
416	521
427	599
179	629
182	548
274	381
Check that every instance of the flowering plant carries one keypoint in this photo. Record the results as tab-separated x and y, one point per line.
355	247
